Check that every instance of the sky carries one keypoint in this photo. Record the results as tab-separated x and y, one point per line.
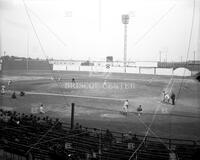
93	29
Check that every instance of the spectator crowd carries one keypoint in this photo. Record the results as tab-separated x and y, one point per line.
41	137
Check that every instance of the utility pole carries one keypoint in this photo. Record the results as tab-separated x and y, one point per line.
160	55
194	56
125	21
1	48
72	115
100	145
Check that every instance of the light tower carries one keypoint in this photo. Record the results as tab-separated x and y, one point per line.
125	20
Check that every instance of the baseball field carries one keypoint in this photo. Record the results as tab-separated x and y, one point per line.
99	98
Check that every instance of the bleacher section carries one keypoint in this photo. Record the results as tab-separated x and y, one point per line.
39	137
16	63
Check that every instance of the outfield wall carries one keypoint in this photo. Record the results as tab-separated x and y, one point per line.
59	67
116	69
146	70
164	71
86	68
134	70
73	68
99	69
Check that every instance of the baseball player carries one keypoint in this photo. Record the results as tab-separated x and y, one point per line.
125	107
139	110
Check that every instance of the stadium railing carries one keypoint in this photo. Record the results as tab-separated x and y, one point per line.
38	139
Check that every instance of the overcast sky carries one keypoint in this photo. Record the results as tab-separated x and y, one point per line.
92	29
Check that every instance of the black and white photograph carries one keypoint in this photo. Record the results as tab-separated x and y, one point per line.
99	79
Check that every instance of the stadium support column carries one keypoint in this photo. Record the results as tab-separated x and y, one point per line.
125	20
72	116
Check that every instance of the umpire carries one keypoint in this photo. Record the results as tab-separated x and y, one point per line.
173	97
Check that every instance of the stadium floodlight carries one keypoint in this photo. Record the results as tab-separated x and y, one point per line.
125	18
125	21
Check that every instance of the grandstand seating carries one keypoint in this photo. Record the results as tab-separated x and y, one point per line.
42	138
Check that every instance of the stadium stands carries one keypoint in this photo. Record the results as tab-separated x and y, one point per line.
41	138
